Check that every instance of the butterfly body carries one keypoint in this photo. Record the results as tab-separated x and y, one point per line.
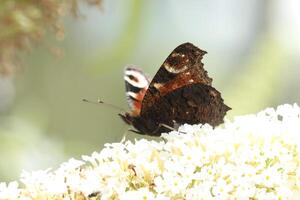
179	93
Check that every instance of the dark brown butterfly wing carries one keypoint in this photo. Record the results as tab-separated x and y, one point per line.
180	92
182	67
192	104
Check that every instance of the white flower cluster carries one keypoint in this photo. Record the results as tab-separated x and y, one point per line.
253	157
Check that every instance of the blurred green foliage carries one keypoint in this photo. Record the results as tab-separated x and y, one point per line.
260	80
23	23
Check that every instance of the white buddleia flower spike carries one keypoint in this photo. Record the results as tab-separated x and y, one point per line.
253	157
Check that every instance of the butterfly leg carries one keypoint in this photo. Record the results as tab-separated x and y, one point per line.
160	125
168	127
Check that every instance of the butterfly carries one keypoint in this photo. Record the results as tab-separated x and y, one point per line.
180	92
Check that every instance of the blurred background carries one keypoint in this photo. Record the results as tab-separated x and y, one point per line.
253	56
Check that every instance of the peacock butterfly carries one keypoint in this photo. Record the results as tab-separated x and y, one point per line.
180	92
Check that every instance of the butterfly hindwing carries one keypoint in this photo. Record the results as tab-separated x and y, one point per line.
192	104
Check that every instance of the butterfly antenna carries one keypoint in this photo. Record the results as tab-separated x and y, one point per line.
104	103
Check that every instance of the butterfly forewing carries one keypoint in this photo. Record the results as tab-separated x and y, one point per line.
136	84
182	67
